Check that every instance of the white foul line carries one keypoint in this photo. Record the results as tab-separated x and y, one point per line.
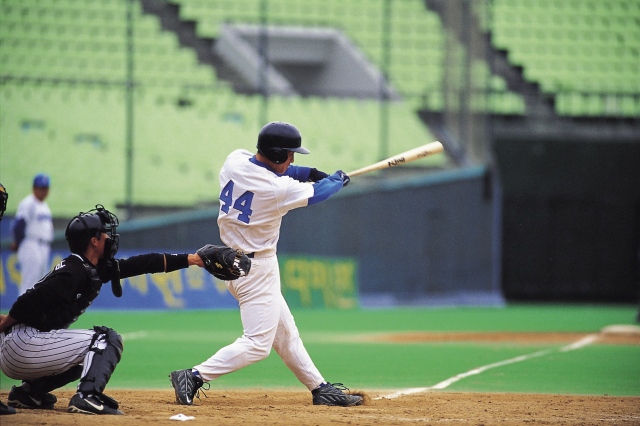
135	335
446	383
580	343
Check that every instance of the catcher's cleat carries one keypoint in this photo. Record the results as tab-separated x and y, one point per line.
20	398
6	410
93	404
186	385
331	394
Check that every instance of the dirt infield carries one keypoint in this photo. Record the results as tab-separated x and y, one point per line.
281	407
293	407
604	338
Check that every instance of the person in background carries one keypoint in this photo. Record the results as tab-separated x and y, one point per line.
32	232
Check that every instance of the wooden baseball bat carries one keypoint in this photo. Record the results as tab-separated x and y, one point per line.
406	157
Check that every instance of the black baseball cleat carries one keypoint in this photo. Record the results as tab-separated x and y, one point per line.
20	398
186	386
331	394
93	404
6	410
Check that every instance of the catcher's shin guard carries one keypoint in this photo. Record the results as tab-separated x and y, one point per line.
101	360
46	384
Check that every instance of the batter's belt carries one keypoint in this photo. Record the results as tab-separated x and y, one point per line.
38	240
261	254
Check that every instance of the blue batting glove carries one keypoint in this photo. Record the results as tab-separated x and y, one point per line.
344	177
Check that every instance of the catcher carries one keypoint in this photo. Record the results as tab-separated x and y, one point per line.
36	345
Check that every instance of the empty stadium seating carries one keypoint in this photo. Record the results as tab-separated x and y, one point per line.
77	134
65	63
586	52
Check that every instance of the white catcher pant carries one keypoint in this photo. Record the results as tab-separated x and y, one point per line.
27	353
34	262
267	322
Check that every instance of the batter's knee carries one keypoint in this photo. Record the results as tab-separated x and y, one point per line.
262	353
260	348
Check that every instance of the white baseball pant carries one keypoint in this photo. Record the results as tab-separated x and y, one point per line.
267	322
33	256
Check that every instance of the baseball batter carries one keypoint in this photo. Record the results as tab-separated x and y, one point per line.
36	344
257	191
32	232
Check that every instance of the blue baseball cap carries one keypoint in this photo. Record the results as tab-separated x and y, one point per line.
41	181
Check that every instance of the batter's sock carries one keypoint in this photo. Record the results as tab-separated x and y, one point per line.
321	385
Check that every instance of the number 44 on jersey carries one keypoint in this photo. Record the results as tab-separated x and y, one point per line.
242	203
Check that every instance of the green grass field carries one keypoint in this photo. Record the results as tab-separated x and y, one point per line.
159	342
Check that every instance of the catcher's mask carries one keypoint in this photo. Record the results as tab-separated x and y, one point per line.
4	196
275	139
91	224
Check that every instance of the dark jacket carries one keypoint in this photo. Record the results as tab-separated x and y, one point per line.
61	296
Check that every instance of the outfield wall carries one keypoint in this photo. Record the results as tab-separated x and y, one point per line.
427	240
571	219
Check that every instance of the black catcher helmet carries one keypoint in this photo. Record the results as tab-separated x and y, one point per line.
91	224
4	196
275	139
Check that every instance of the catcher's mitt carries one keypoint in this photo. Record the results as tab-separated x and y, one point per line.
224	262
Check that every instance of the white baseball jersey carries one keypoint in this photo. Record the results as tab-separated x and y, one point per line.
34	250
253	200
37	217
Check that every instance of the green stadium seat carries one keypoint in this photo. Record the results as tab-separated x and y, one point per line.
585	53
